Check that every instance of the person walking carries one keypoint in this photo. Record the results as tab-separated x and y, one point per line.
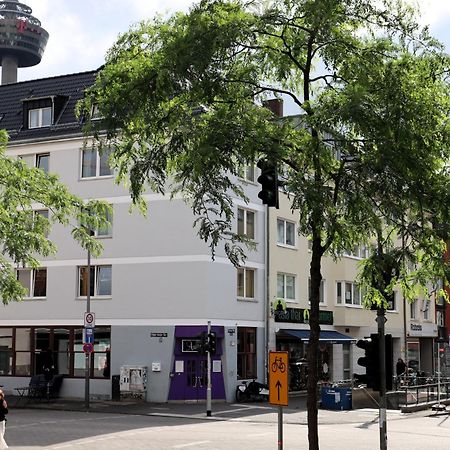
400	367
3	412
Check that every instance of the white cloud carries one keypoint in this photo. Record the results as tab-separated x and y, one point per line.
433	12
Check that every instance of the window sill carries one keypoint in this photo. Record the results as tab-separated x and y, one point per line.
289	247
247	300
32	299
97	297
100	177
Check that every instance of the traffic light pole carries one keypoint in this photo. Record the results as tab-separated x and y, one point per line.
381	319
208	387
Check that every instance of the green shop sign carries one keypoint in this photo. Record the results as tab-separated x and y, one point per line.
297	315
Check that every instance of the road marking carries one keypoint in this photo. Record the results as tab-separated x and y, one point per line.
191	444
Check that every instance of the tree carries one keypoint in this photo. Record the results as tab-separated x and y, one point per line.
181	101
23	232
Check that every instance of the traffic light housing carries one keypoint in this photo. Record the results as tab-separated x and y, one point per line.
269	182
203	343
370	361
212	343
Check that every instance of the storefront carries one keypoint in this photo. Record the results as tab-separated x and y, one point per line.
420	342
295	342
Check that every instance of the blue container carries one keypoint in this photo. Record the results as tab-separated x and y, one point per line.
336	398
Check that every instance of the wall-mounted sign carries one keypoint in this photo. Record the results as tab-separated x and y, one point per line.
158	334
298	315
231	331
423	329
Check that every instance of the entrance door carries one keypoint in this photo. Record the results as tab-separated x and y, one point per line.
196	379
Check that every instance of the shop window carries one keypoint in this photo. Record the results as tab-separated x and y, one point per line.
6	353
51	351
246	353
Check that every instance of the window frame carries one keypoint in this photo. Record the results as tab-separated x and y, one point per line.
97	169
284	275
38	157
94	282
355	293
244	170
285	224
40	116
247	357
322	299
245	221
32	282
244	271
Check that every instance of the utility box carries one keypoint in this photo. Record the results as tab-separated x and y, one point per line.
337	398
133	379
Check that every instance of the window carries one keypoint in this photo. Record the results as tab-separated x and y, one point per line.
412	309
321	292
246	223
246	283
42	161
100	281
247	172
392	302
34	281
246	353
358	251
285	232
28	351
426	309
95	164
348	293
40	117
286	286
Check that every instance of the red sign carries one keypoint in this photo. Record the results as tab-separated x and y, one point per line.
88	348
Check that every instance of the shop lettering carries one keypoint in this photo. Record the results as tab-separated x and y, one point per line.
416	327
297	315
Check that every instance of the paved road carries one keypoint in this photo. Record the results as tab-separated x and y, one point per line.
37	429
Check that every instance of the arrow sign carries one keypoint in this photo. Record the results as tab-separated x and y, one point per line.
278	386
278	378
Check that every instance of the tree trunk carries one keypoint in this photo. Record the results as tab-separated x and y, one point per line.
313	347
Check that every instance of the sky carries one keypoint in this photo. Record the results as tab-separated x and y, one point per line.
81	31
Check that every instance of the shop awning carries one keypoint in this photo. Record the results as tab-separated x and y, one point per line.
325	336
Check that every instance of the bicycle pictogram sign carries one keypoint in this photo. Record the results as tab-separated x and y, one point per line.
278	378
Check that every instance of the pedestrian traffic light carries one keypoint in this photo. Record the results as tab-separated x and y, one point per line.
370	361
212	343
269	182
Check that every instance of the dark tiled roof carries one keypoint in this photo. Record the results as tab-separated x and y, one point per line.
69	88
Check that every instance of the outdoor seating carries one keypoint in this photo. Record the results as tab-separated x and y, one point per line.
40	389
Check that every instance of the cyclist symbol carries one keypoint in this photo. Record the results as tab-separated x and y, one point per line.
278	364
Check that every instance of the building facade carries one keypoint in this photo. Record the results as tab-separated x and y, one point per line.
155	287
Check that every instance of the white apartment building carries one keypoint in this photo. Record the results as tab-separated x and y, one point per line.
155	286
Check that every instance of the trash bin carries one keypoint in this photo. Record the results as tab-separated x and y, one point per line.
115	387
336	398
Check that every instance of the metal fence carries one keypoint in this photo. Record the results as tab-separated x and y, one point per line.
426	393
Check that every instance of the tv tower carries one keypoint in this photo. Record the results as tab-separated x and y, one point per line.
22	39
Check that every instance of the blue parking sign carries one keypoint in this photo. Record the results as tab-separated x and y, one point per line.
88	336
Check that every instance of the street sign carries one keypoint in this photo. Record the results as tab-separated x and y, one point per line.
278	378
88	348
88	336
89	320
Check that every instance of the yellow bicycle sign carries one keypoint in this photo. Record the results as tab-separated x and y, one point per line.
278	378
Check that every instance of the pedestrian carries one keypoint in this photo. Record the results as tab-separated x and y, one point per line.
3	412
400	367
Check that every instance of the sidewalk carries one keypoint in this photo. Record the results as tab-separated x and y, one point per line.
295	413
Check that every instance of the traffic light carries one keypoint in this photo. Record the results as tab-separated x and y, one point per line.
212	343
389	355
269	182
203	349
370	361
